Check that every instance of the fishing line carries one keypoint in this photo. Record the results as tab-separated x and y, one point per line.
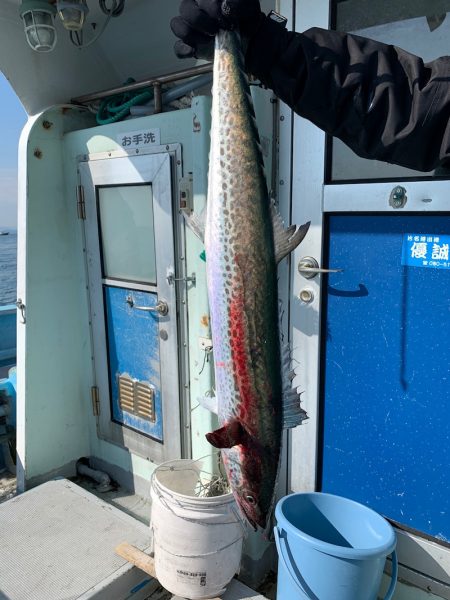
207	351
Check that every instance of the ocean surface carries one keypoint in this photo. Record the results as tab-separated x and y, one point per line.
8	266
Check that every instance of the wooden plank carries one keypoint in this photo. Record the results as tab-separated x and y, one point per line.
136	557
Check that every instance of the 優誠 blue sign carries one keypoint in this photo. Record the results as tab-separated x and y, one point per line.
421	250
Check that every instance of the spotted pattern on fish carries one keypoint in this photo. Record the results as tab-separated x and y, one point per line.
242	289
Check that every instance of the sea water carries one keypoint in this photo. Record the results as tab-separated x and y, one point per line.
8	266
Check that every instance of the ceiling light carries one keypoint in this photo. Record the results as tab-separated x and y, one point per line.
72	13
38	16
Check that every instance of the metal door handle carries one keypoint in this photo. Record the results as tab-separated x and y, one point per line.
309	268
161	307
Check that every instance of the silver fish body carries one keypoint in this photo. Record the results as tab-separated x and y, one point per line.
244	241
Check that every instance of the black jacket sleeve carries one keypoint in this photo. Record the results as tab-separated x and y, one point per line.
383	102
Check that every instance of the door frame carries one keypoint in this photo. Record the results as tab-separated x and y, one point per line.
423	562
159	167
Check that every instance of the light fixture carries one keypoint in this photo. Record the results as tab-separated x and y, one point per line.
38	16
72	13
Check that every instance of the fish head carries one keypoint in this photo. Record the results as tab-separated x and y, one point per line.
249	504
251	467
252	480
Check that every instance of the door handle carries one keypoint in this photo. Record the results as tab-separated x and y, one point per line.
161	307
308	267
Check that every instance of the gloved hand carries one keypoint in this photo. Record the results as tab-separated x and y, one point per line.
200	20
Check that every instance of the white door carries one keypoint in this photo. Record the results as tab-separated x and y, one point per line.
130	249
371	341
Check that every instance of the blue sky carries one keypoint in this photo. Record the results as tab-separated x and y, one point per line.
12	120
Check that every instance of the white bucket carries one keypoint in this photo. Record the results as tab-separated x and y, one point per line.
197	541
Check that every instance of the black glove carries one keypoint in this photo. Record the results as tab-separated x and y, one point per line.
200	20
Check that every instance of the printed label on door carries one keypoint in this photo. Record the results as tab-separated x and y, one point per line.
426	250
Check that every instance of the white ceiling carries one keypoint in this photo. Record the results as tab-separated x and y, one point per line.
136	44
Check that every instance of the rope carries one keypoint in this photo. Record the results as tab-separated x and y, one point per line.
115	108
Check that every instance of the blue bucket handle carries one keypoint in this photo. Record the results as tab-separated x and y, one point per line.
281	542
394	574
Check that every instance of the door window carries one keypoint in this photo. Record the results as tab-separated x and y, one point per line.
127	233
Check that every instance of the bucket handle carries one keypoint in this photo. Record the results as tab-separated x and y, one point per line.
394	574
280	542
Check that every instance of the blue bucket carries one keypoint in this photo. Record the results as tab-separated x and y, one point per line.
331	548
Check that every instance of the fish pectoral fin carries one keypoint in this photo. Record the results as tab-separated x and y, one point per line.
209	402
196	224
286	239
231	434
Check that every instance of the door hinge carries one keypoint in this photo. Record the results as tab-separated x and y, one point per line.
95	396
81	206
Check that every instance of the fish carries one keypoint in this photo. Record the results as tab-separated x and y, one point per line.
245	239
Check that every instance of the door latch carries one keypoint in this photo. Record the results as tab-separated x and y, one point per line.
171	279
398	197
21	306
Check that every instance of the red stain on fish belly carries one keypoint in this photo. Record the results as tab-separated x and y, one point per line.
239	354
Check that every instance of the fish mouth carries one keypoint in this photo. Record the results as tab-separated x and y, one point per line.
250	520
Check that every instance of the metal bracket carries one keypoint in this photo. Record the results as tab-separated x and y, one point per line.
186	194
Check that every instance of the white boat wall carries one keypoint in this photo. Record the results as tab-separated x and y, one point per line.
102	236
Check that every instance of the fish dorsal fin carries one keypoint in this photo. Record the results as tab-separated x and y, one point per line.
196	223
293	414
231	434
286	239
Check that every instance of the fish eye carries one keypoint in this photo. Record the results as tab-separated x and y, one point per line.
250	499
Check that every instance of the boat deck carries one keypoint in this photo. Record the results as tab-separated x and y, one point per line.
58	540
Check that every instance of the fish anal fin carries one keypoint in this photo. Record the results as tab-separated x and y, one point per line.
231	434
286	239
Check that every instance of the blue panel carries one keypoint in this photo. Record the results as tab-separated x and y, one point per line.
133	348
386	420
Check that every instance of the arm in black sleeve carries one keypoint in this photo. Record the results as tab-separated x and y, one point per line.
383	102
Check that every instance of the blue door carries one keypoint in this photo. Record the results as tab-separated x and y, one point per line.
134	361
386	387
